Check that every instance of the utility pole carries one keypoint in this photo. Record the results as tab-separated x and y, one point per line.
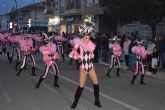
16	12
35	14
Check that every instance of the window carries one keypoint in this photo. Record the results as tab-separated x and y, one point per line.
102	3
56	6
145	32
39	14
71	2
89	2
78	4
160	28
131	28
96	1
62	4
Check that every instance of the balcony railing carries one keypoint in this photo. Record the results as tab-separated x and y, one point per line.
62	10
75	4
48	11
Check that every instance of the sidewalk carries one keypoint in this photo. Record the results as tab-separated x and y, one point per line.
160	73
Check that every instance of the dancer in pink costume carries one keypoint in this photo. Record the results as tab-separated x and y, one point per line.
72	47
49	56
86	68
37	41
115	57
14	40
3	44
141	54
26	47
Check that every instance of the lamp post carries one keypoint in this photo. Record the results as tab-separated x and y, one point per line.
34	14
16	12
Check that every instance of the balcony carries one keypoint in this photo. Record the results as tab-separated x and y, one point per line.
95	10
47	1
73	12
62	9
48	13
73	7
103	10
73	4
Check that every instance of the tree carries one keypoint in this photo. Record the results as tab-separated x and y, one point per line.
13	15
147	11
152	13
122	10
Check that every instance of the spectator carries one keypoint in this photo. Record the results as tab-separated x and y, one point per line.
125	49
121	45
95	40
132	57
106	50
162	53
100	46
154	60
150	48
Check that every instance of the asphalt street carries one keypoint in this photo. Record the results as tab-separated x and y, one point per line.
116	93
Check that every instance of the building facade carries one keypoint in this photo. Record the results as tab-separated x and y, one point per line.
71	14
67	16
32	17
28	17
144	31
51	14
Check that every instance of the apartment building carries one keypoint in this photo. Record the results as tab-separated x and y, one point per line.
68	15
31	17
28	17
51	14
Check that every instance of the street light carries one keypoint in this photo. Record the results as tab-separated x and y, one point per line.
35	14
16	11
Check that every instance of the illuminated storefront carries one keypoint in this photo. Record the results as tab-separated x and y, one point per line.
53	24
70	24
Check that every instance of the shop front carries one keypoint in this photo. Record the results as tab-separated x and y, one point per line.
54	24
70	24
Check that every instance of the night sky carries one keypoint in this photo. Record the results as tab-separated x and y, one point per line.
6	5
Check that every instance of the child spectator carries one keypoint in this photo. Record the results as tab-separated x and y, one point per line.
154	61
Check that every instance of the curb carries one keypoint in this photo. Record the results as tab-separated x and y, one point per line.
159	75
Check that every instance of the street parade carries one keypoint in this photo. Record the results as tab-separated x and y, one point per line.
82	54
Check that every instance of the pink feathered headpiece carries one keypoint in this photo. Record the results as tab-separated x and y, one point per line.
116	49
77	42
57	38
115	38
47	39
140	50
90	46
